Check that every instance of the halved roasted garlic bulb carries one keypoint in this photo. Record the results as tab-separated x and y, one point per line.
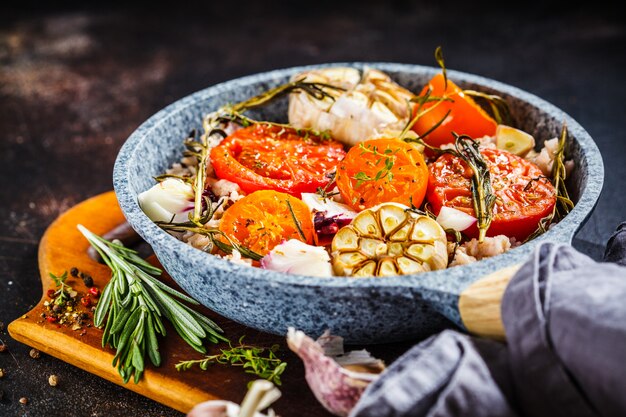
389	239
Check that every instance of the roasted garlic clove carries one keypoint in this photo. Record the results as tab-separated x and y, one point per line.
388	240
369	104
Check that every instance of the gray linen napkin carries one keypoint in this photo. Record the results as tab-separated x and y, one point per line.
565	321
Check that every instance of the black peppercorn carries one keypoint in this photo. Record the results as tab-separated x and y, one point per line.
74	271
88	281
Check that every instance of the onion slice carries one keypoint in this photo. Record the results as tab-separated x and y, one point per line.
169	199
328	206
296	257
451	218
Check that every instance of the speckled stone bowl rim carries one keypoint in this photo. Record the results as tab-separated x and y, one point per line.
562	232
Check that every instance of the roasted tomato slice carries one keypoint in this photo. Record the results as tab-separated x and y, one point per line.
523	195
264	219
265	157
465	118
381	171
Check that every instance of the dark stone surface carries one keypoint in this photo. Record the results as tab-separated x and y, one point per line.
75	82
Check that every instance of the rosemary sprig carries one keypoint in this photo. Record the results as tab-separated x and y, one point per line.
483	198
442	64
499	107
559	174
259	361
134	304
296	221
214	235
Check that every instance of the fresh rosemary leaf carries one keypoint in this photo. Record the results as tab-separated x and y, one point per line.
563	202
483	197
499	107
133	303
296	221
442	64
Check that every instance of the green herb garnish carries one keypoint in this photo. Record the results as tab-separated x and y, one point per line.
483	197
259	361
499	107
442	64
134	304
387	157
61	295
563	202
296	221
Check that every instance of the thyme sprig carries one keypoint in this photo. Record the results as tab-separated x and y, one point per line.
259	361
63	294
134	304
564	204
387	157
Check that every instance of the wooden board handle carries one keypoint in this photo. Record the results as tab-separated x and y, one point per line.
480	303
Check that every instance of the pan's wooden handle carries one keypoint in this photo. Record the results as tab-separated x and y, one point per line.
479	304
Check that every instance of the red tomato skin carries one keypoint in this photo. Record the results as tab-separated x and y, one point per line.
510	174
298	165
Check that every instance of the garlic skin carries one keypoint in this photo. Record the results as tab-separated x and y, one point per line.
170	198
370	104
337	388
296	257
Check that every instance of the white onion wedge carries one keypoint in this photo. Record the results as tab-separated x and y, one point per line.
296	257
331	208
170	199
451	218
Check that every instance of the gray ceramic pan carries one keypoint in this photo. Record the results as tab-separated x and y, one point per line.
370	310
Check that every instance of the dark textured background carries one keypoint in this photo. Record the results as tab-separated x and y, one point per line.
76	81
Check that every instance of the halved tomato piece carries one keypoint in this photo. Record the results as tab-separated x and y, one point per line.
381	171
265	218
266	157
523	195
465	118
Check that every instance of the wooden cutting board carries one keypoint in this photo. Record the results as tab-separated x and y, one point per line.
63	247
